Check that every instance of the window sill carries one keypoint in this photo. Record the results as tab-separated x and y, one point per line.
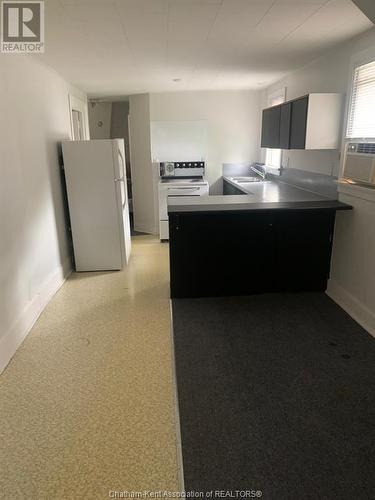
358	191
270	169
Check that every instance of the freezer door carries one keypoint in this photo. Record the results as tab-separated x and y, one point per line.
120	171
122	197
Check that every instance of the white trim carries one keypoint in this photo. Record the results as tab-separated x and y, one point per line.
79	105
276	94
26	320
362	57
180	464
355	65
357	191
358	311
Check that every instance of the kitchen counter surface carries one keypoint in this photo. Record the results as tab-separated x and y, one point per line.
268	195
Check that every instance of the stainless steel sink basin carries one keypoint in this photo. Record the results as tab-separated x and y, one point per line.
246	180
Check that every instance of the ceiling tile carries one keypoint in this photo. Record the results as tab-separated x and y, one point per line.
129	46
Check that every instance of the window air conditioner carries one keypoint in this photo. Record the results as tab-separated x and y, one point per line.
359	164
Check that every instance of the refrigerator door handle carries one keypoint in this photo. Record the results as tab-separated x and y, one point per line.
122	179
122	163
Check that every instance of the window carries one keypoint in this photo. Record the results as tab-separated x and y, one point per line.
273	156
361	119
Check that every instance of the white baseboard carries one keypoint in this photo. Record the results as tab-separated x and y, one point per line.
26	320
358	311
147	230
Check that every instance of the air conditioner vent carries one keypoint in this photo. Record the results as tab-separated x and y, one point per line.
366	147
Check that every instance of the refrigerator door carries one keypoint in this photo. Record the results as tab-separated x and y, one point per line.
93	205
122	197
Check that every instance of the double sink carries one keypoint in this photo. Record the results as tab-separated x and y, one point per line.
247	180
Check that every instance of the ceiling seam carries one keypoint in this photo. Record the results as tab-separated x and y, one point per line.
257	24
303	22
167	34
209	31
126	37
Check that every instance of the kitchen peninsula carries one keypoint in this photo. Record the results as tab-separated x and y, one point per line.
268	237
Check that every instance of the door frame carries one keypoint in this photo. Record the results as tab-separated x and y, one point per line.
76	104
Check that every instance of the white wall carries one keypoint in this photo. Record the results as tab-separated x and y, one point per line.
120	127
100	115
352	283
185	140
34	253
233	121
329	73
145	217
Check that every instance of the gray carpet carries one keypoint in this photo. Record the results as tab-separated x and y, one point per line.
276	393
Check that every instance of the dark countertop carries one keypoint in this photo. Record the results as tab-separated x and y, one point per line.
268	195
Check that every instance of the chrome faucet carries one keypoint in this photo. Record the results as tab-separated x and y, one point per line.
259	170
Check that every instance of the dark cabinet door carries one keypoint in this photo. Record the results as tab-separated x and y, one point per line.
271	128
285	123
237	253
303	242
221	254
298	123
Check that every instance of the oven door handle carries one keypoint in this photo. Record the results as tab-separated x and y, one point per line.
184	189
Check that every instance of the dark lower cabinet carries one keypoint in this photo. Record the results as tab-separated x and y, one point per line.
302	255
241	253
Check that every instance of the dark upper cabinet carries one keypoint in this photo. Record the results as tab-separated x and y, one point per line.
285	117
309	122
271	128
298	123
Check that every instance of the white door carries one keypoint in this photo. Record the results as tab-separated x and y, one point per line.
78	131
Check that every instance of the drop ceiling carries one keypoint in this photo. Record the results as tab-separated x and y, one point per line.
114	48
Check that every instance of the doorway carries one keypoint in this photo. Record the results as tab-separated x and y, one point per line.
77	119
79	129
110	120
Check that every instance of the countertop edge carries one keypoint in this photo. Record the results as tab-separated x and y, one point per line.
266	207
243	206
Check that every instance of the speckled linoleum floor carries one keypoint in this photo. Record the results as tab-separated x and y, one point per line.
87	403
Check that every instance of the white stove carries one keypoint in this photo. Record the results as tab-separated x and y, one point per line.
195	185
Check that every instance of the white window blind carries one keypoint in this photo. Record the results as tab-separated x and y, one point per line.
361	119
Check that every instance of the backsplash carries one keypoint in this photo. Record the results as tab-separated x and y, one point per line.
240	168
326	185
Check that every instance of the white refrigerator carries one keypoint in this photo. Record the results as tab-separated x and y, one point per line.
98	203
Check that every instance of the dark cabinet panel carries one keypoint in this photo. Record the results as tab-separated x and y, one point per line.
298	123
230	189
285	117
220	254
271	128
213	254
303	242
